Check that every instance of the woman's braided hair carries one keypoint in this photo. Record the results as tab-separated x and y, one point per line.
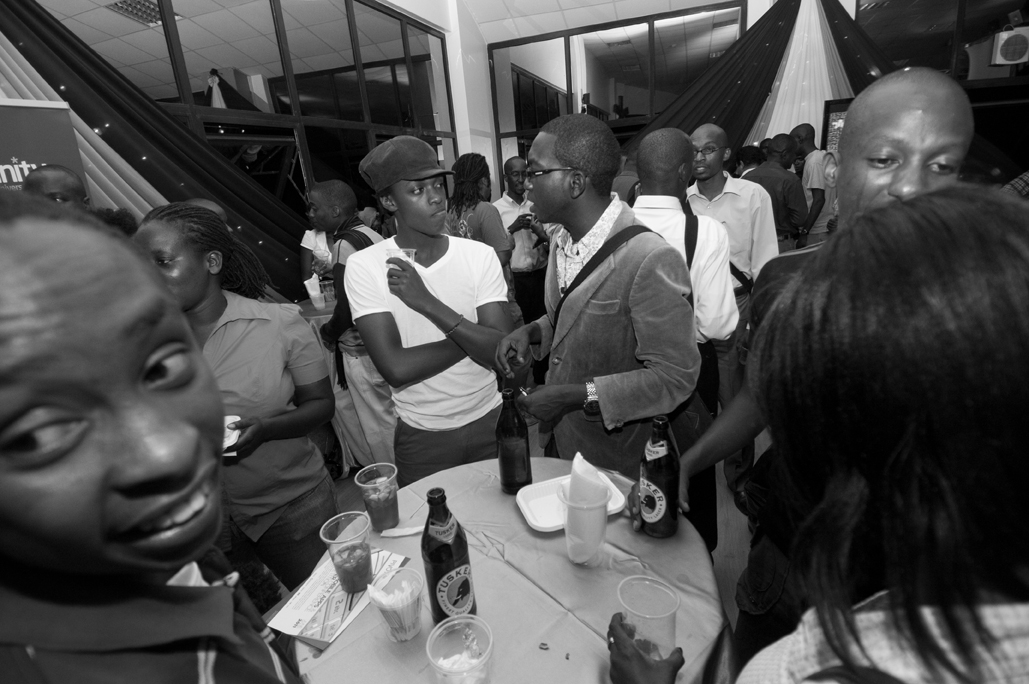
242	272
468	170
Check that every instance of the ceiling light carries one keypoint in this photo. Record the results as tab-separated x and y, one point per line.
145	12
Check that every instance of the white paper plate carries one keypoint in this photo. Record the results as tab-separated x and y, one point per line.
545	512
230	435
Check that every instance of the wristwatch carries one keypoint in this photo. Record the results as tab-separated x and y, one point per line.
592	405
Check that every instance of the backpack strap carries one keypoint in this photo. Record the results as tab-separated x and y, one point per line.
857	675
604	252
692	231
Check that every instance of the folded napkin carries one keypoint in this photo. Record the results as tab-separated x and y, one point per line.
585	486
313	286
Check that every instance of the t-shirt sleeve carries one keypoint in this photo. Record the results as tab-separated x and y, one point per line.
492	286
814	174
308	241
494	233
305	361
365	286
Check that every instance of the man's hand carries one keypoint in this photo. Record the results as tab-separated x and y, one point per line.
407	285
548	402
322	268
684	487
513	351
327	340
251	436
523	222
632	507
630	665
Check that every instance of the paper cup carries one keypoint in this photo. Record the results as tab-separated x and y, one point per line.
230	436
318	300
401	617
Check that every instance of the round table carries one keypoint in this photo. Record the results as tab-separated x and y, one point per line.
549	617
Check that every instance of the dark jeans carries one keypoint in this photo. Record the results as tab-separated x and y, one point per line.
421	453
291	547
769	597
707	381
530	289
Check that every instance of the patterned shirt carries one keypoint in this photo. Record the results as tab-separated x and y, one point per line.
572	256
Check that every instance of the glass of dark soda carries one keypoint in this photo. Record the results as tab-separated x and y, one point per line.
378	483
346	536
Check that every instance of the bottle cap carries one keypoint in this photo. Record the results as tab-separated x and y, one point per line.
507	394
660	421
436	496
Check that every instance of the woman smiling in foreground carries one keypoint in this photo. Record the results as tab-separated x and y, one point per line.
894	379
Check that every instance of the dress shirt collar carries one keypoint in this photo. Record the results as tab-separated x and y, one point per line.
666	202
732	187
241	308
506	197
572	256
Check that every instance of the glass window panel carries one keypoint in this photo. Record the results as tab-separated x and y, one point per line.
530	73
527	103
382	95
240	42
267	154
336	154
318	34
429	85
539	92
138	51
613	67
912	33
379	35
684	47
984	21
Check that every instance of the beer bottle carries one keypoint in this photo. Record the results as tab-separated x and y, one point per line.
659	482
448	574
513	447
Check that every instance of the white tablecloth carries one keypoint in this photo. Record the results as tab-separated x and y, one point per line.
528	591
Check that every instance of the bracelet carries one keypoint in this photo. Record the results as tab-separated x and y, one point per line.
460	318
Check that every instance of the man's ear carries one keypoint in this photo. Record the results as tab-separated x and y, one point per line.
577	183
336	210
726	154
213	261
831	166
686	172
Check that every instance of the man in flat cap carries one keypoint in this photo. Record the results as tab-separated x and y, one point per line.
432	324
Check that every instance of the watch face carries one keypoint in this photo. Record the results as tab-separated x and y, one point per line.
591	408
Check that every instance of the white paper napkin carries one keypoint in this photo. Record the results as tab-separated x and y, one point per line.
313	286
585	486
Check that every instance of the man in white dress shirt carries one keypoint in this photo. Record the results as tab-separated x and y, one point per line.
665	167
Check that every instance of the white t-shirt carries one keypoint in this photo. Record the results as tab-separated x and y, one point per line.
714	305
464	278
315	239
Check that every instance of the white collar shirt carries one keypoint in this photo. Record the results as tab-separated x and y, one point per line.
526	256
572	256
745	209
714	306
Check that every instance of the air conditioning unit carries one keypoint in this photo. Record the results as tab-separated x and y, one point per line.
1011	47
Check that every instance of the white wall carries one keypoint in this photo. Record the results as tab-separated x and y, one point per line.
545	59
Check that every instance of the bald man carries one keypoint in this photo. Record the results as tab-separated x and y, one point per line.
745	210
820	197
906	134
789	205
56	183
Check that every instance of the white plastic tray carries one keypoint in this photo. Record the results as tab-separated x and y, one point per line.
545	512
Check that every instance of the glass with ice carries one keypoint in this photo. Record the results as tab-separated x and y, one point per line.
650	606
378	483
405	253
398	596
346	536
460	650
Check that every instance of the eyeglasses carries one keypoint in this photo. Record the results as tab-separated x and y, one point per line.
708	151
531	175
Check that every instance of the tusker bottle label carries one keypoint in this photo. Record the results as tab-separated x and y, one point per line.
454	591
655	450
653	502
446	532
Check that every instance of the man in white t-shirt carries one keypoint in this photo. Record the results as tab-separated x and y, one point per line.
820	197
431	326
329	204
665	167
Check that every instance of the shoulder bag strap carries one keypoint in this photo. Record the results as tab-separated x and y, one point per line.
857	675
604	252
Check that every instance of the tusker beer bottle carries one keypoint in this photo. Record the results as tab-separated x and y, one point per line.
448	574
659	482
513	447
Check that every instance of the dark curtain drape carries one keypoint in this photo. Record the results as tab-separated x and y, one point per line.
732	92
863	61
177	163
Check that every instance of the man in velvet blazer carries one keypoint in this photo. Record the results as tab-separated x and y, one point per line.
624	347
